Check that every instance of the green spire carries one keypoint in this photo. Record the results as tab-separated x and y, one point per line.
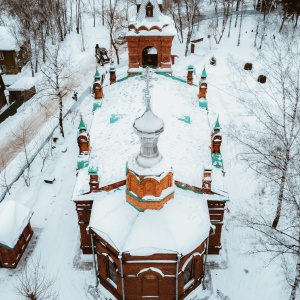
93	170
97	75
203	75
217	125
82	125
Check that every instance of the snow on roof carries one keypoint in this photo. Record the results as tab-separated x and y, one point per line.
184	144
140	1
7	42
10	79
141	15
22	84
14	217
149	122
164	23
180	226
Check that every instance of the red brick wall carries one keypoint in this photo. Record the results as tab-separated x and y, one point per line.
10	258
84	210
163	45
139	280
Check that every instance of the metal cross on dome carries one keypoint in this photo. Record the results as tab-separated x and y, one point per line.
148	76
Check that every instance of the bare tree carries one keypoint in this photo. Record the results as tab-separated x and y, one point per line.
58	79
282	242
219	29
191	10
20	141
175	10
3	178
32	283
115	20
271	147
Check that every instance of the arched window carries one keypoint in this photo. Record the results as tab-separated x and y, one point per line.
188	274
111	273
149	10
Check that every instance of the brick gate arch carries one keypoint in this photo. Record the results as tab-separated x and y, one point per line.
149	56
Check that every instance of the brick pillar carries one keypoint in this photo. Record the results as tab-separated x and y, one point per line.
112	75
206	180
94	179
216	142
190	72
98	90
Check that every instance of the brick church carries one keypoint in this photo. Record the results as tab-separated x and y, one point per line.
149	195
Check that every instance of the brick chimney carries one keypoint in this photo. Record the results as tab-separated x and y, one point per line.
94	179
206	180
190	71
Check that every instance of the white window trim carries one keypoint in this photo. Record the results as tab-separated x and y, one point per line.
1	56
111	282
188	284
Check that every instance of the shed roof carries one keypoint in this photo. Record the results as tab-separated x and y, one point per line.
14	217
22	84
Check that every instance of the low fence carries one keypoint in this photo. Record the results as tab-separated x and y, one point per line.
47	138
11	110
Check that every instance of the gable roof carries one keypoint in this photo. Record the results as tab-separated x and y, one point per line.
142	11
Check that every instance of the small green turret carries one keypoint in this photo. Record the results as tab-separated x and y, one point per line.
82	126
203	75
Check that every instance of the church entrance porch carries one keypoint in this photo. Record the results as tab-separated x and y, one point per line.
149	57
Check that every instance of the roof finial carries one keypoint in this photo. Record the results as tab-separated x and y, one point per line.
148	76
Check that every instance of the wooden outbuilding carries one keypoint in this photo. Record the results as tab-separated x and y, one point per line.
11	55
15	232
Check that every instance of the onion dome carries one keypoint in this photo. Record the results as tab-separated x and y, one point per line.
148	127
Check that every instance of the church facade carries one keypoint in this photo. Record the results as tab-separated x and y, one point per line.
149	197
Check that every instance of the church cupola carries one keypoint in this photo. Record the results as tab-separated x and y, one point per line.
148	127
216	138
149	179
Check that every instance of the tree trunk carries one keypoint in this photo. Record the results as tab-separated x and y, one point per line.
296	23
281	26
61	127
281	194
296	283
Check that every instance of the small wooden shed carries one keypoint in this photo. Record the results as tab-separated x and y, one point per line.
15	232
23	89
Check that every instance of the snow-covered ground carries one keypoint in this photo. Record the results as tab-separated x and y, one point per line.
235	274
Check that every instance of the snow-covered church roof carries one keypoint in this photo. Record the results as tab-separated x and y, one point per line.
180	226
14	217
185	142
